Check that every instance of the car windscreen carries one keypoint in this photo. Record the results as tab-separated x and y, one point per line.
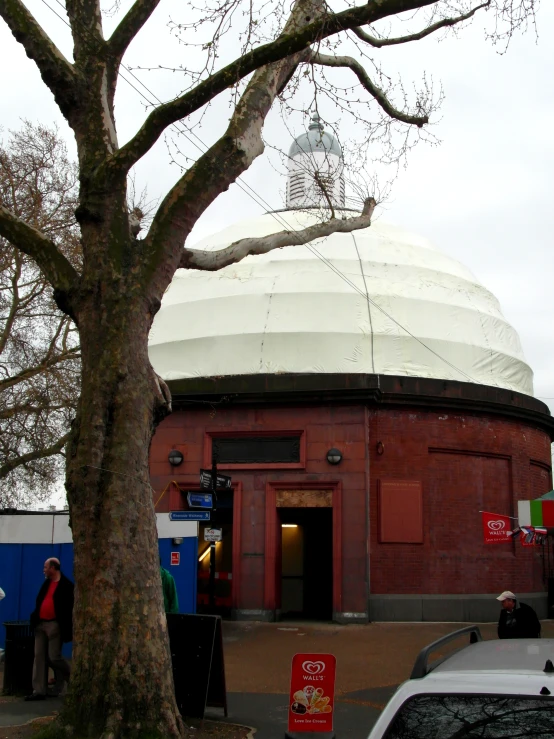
468	716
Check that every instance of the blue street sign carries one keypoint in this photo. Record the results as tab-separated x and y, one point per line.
189	516
200	500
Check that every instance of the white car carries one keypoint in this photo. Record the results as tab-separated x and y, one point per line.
499	688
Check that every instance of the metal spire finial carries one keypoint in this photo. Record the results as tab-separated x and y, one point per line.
316	123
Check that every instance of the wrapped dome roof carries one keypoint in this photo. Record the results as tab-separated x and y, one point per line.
288	312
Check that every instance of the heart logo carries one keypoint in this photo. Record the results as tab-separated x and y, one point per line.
496	525
313	668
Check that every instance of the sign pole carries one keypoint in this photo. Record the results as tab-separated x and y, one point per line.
211	585
212	575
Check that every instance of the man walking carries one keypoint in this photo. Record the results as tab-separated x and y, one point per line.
52	621
517	621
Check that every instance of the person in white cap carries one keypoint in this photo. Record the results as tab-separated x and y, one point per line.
517	621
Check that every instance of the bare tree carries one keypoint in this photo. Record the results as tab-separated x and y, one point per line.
39	352
122	683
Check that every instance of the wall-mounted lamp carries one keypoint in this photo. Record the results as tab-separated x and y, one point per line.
380	447
175	457
334	456
289	525
177	540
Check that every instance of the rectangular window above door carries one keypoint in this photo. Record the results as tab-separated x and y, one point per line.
269	450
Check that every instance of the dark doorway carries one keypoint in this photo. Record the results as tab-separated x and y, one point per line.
216	599
307	563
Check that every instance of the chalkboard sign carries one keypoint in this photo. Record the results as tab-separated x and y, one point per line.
196	645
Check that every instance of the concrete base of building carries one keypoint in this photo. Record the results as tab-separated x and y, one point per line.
253	614
471	608
351	618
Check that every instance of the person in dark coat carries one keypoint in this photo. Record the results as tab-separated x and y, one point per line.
517	621
52	621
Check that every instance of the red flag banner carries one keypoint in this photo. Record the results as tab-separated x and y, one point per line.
497	529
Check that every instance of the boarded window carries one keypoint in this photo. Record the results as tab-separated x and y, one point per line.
256	449
400	512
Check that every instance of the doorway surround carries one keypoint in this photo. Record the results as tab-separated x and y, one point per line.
291	494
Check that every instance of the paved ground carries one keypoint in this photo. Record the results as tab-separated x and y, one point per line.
371	660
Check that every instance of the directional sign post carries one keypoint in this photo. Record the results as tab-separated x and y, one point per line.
189	516
206	480
200	500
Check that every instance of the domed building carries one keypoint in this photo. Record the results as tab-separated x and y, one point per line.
368	399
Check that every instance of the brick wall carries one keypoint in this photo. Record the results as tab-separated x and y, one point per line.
466	463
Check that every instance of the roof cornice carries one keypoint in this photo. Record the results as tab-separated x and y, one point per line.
373	390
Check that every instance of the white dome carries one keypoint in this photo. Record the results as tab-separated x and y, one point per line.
289	312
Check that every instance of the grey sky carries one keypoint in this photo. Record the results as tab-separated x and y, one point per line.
484	195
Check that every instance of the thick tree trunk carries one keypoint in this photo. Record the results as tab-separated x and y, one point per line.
121	683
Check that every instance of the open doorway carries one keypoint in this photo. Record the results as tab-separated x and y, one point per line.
306	563
216	598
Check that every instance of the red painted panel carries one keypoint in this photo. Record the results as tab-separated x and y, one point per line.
400	512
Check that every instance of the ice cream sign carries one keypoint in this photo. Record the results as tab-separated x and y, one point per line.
312	693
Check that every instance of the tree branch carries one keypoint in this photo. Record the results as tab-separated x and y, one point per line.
130	25
347	61
211	261
29	409
11	465
57	73
444	23
290	42
46	364
52	263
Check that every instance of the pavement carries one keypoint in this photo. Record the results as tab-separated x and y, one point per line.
372	659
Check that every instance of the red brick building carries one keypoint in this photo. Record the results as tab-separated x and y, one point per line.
368	400
420	459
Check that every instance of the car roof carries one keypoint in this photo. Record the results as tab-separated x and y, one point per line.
516	655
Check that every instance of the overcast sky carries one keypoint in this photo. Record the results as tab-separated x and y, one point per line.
484	195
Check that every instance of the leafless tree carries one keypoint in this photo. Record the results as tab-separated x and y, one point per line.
39	352
122	683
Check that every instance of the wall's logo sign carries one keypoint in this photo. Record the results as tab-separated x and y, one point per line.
496	525
313	668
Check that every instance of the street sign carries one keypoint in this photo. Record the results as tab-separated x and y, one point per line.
189	516
175	558
223	481
200	500
213	534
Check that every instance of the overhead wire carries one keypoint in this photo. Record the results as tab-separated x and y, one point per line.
259	200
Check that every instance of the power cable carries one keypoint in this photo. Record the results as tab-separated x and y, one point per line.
259	200
367	296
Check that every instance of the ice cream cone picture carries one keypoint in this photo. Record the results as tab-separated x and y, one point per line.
310	700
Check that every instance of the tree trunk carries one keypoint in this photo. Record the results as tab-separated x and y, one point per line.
121	683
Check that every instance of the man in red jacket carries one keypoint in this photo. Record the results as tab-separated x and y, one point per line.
52	621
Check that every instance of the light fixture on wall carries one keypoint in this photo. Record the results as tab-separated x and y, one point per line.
289	525
380	447
334	456
177	540
175	457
